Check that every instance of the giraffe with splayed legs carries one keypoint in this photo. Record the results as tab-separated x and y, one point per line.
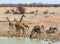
19	26
11	24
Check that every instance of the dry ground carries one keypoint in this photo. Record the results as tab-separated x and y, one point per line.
51	19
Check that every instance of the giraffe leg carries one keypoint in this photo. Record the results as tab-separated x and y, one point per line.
23	32
18	32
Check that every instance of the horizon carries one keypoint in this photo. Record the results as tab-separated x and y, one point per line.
29	1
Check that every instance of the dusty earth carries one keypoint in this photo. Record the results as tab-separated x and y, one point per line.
51	19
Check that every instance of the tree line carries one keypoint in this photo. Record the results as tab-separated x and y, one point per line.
30	5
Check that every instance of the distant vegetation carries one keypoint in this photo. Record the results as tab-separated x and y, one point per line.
21	8
30	5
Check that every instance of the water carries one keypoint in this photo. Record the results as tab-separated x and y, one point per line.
5	40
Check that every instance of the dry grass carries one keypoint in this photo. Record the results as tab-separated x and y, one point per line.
32	20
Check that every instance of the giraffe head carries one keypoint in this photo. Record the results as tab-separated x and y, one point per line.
23	16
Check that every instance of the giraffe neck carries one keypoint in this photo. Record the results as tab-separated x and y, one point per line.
21	18
16	21
9	20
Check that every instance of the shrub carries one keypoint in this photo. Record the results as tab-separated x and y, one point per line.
21	8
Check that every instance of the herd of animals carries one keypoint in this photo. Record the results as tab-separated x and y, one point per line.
17	12
37	30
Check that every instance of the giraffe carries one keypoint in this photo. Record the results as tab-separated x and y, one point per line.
20	21
22	18
11	25
19	26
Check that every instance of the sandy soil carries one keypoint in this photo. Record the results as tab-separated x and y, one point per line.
51	19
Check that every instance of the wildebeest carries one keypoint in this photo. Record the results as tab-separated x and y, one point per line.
36	29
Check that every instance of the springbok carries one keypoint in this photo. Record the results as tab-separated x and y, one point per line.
52	32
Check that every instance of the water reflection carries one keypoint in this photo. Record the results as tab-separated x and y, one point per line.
20	40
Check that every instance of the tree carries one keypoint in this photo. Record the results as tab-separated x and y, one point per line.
21	8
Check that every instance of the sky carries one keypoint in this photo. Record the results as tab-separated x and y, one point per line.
29	1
